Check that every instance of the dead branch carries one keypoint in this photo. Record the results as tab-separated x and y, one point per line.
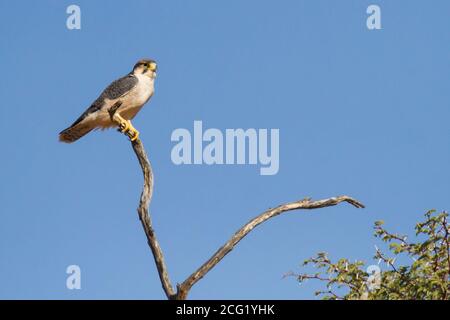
144	216
184	288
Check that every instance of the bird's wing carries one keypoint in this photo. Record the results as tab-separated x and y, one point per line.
116	89
120	87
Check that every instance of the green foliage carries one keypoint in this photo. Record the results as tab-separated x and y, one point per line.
427	277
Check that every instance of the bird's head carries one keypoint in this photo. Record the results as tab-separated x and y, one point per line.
145	66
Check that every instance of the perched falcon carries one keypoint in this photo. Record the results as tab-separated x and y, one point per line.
126	96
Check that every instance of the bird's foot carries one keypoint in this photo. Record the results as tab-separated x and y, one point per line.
132	133
124	126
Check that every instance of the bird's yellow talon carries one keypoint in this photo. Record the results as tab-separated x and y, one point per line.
135	137
132	133
124	127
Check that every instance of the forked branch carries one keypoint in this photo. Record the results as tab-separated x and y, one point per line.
184	288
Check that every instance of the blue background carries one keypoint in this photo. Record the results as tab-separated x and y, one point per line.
363	113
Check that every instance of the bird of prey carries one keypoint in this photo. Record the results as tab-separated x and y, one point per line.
125	96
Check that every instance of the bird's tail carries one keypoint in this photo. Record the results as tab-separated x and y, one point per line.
74	132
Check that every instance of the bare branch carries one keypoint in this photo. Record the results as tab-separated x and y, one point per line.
183	289
146	196
144	216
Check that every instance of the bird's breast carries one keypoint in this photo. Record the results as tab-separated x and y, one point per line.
134	101
143	91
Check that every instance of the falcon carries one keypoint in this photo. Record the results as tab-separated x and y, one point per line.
117	105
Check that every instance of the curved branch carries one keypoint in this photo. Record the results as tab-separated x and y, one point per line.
144	216
184	288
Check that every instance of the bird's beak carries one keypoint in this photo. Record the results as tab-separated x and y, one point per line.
153	66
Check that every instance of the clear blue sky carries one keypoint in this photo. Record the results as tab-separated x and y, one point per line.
363	113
